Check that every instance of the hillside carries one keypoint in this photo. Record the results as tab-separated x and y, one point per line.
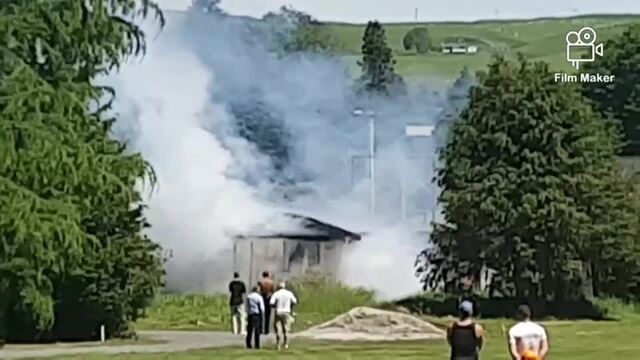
542	39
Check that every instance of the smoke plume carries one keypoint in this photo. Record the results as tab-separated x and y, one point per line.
236	132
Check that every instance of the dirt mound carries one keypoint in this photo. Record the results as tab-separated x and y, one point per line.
367	324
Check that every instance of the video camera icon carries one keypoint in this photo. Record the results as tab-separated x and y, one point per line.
581	46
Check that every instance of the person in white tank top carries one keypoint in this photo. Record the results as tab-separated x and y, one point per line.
527	335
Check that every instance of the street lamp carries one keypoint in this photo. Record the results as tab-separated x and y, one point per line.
372	155
412	131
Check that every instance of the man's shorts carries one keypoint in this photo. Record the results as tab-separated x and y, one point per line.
237	310
282	323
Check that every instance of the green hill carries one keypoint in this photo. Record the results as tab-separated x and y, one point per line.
539	39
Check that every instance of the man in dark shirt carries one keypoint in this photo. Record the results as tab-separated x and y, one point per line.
465	336
237	290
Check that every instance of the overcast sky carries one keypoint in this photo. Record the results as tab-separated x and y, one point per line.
428	10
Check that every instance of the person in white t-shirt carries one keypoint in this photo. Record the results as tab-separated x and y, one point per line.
283	301
527	336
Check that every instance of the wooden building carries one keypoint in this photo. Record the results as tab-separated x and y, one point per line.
304	246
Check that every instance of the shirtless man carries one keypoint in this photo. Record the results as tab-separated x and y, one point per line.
527	336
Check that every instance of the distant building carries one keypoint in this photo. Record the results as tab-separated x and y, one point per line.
291	246
458	48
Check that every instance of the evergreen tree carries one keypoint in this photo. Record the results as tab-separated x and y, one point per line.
620	99
530	189
73	254
378	75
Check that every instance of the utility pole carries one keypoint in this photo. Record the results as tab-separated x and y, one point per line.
372	164
371	116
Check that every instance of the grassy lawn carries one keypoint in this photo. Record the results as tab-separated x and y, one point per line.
540	39
577	340
321	300
202	312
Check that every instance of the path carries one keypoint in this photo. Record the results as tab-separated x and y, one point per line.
172	341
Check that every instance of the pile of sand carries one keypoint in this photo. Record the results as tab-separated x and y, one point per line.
367	324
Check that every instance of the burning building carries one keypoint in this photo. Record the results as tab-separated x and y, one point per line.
291	245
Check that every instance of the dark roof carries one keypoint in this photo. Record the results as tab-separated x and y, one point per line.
299	227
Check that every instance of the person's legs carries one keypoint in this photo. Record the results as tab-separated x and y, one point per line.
257	329
234	320
286	324
243	319
267	314
278	329
250	329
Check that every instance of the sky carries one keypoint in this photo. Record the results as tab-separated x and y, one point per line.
360	11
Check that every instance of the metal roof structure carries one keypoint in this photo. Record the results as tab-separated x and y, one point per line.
298	227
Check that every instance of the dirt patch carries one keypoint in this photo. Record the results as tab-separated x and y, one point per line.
368	324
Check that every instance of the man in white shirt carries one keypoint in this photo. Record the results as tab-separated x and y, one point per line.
527	337
283	301
255	314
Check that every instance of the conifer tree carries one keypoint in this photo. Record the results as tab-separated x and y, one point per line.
377	64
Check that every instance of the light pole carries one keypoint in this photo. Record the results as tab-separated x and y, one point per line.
372	156
410	132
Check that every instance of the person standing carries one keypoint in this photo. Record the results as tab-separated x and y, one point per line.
465	336
527	339
255	313
283	301
266	290
237	291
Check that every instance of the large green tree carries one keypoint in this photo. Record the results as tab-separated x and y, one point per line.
72	252
300	32
531	190
417	38
310	35
377	64
620	99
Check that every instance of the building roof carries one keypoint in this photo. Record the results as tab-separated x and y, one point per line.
299	227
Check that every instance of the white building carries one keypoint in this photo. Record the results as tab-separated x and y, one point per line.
458	48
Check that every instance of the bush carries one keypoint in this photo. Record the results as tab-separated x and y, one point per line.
505	307
417	38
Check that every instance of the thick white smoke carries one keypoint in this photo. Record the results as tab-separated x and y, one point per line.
195	203
174	108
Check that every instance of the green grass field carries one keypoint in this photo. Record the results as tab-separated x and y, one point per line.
576	340
538	39
321	300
